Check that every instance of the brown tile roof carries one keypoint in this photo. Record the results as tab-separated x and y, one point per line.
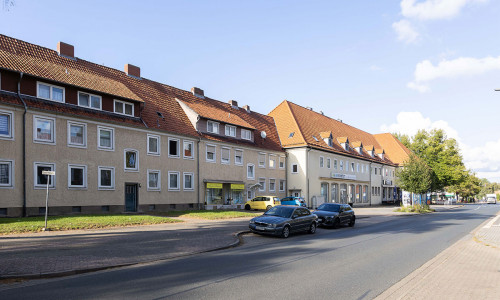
394	149
356	144
369	148
342	139
325	134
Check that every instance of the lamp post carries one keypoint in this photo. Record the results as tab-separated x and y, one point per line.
48	174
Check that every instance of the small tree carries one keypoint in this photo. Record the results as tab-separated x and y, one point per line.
415	176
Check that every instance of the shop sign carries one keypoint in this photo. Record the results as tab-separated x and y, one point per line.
213	185
343	176
237	186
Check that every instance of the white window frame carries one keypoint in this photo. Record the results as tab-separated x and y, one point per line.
178	188
352	166
246	134
158	143
341	165
328	163
90	100
235	152
192	150
136	169
12	177
272	157
101	187
297	167
52	141
282	162
284	185
10	116
357	167
123	105
215	127
274	189
84	125
215	153
35	177
262	187
321	162
112	136
335	164
253	172
178	155
263	165
38	83
84	183
184	181
228	129
222	161
158	184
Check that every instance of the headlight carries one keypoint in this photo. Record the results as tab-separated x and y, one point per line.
271	225
252	221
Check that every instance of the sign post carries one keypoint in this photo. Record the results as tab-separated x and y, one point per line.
47	173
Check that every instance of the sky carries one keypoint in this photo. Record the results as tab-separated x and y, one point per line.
381	66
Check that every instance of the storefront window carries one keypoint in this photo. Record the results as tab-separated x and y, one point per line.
335	191
343	193
358	193
214	194
324	191
365	192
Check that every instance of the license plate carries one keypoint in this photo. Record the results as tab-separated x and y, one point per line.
260	228
320	220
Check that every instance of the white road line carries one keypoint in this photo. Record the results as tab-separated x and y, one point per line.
490	223
478	207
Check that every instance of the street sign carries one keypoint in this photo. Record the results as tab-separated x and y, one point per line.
53	173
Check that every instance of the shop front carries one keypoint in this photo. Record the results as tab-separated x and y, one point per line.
224	195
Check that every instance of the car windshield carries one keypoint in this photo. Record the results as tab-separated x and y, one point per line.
329	207
280	211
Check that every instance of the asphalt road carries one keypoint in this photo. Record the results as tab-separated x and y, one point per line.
349	263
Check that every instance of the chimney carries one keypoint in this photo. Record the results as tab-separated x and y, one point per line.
247	108
133	71
198	92
233	103
66	50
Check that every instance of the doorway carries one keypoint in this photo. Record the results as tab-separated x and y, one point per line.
131	197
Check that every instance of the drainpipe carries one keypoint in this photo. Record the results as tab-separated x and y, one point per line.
142	106
198	170
24	141
286	173
371	194
307	176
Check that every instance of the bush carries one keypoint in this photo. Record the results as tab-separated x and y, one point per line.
417	208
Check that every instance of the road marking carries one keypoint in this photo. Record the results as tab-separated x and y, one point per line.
490	223
478	207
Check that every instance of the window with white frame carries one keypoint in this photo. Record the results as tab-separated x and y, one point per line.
272	185
6	125
77	176
77	134
335	164
50	92
6	173
352	167
212	126
282	185
357	168
44	130
188	148
262	160
272	161
89	100
341	165
40	179
188	181
173	147
321	161
131	162
250	171
230	130
124	108
295	168
238	157
106	178
154	180
262	183
173	181
282	162
328	163
153	144
225	155
246	134
211	155
105	138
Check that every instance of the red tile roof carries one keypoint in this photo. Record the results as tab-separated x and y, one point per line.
394	149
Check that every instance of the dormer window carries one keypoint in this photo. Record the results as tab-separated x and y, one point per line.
231	130
246	134
89	100
212	127
291	135
344	142
124	108
50	92
327	138
358	146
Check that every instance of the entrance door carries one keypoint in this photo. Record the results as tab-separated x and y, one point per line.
131	197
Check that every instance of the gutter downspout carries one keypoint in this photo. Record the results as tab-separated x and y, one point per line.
307	177
198	170
24	140
371	187
140	114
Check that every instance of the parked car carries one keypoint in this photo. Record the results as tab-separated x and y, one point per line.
282	220
262	202
335	214
491	198
292	200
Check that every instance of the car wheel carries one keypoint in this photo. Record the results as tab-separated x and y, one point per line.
269	207
286	232
247	207
312	229
353	220
336	223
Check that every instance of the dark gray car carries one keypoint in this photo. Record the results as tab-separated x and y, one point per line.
282	220
335	214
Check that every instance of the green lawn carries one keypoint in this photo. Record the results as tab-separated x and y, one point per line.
210	214
35	224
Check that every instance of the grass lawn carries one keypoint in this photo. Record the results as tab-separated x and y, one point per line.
211	214
35	224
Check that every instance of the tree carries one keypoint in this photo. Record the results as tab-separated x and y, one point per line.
470	187
414	176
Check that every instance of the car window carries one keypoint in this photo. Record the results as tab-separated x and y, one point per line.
304	212
330	207
296	213
280	211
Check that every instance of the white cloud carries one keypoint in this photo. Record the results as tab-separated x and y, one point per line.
425	71
434	9
375	68
405	31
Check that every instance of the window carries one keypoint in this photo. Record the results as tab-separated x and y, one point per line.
154	180
375	170
352	167
77	176
213	127
262	182
225	155
211	155
335	164
153	144
89	100
246	134
341	165
131	160
173	147
6	173
188	181
77	134
357	167
50	92
106	178
40	179
262	160
321	161
295	169
272	185
282	185
328	163
173	181
251	171
282	162
44	130
105	138
238	157
230	130
188	149
6	125
272	161
124	108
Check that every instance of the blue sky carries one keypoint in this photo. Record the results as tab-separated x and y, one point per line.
377	65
